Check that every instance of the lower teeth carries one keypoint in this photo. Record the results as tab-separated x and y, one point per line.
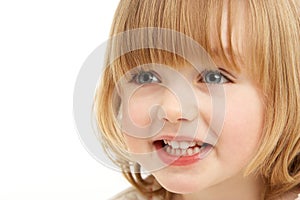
184	152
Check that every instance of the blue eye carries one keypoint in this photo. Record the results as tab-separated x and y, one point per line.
213	77
145	77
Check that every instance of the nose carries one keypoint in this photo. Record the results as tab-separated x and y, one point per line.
177	107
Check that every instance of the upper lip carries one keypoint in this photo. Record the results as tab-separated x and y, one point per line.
179	138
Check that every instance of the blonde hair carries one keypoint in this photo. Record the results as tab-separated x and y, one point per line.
271	54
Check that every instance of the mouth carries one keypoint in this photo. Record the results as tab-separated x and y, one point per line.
181	152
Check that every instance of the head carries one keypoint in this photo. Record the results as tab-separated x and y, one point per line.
257	43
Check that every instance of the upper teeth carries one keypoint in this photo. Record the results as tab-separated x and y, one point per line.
182	144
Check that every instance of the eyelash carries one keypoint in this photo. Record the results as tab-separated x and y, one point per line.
202	77
224	78
136	75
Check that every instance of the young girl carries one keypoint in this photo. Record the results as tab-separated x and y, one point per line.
204	96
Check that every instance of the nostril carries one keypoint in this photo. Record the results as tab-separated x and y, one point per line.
175	115
171	116
174	120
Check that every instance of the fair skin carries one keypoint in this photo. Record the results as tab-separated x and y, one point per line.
218	175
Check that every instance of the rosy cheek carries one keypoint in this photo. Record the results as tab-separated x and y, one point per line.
140	104
243	126
138	112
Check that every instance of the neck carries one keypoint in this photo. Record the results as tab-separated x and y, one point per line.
236	188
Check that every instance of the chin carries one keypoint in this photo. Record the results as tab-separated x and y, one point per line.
180	186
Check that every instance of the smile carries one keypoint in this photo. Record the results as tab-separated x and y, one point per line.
183	148
179	153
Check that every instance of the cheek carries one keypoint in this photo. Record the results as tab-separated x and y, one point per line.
242	127
138	112
138	117
139	106
134	145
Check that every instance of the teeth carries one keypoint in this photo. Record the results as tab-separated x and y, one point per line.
197	149
183	148
192	144
173	151
178	152
190	152
199	143
184	145
175	144
168	150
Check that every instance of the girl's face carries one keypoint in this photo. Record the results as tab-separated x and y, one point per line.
194	129
164	108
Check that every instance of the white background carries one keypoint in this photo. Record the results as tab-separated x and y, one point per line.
42	47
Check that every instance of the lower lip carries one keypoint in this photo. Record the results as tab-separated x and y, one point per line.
181	160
